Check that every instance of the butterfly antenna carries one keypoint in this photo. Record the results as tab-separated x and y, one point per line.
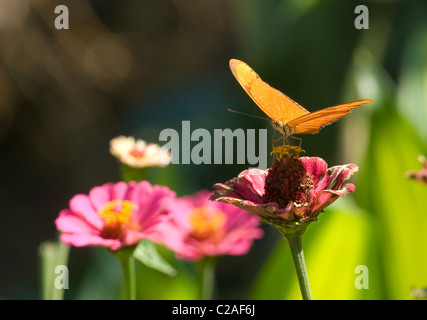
249	115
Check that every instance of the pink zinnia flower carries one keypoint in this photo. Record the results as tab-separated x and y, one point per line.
420	175
114	215
293	190
197	228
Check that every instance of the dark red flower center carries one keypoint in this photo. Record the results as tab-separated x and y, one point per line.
287	181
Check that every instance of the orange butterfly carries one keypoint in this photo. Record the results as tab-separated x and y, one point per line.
288	117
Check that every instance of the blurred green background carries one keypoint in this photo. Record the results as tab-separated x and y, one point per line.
137	67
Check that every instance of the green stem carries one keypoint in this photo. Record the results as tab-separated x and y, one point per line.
133	174
295	244
127	262
207	278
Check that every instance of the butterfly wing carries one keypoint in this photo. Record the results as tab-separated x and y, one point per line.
314	121
274	103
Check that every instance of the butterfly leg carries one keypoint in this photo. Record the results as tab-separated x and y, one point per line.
278	139
300	141
285	140
273	141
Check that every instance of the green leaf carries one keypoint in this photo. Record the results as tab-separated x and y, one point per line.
412	96
333	248
146	253
397	204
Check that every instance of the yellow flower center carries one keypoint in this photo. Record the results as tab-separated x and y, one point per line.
287	151
207	223
117	217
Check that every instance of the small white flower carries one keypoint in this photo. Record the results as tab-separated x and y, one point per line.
139	153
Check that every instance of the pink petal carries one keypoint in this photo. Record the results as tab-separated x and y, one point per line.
71	223
240	228
199	199
152	202
133	237
100	195
250	184
336	176
236	217
315	166
81	240
223	190
263	210
327	197
81	206
122	190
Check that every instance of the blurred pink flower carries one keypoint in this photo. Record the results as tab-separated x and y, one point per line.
293	190
138	153
420	175
197	227
114	215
